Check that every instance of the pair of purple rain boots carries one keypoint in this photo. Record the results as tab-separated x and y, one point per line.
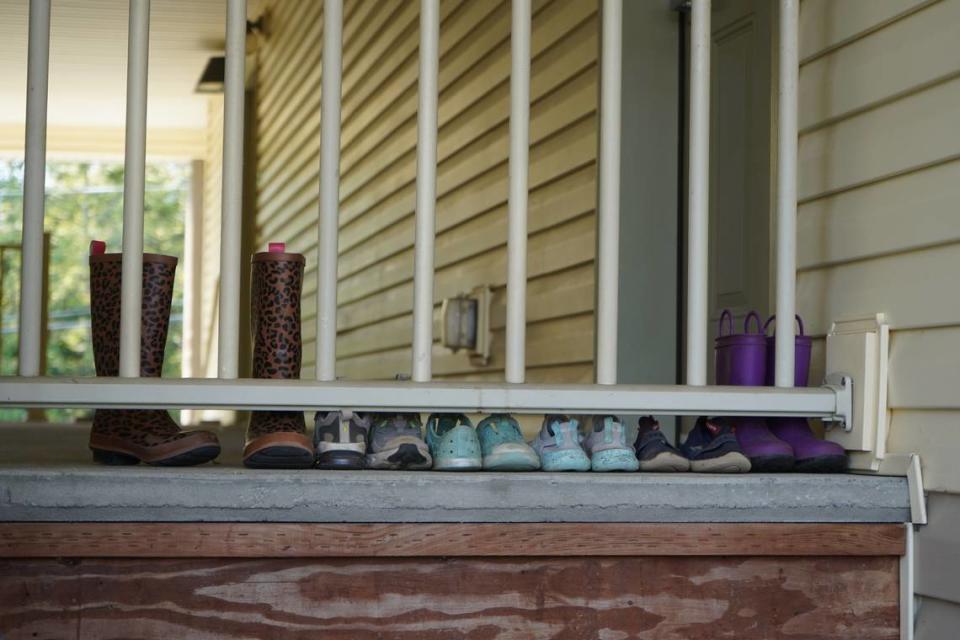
772	444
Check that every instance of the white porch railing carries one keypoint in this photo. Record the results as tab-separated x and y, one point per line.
29	390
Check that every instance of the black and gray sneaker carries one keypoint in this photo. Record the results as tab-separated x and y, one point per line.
340	439
653	450
396	442
712	447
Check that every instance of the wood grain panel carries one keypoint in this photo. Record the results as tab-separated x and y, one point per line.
563	598
251	540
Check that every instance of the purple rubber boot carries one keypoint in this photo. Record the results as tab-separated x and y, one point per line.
742	360
812	454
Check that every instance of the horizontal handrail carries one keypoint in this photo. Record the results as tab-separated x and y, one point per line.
309	395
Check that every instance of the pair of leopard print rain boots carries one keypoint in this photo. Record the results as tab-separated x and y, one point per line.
275	439
130	436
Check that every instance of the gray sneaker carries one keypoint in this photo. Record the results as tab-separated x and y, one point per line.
607	445
340	439
396	442
558	445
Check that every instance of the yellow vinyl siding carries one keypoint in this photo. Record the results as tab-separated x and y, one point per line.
210	239
378	175
879	201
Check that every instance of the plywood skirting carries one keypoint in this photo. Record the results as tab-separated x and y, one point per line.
273	540
479	598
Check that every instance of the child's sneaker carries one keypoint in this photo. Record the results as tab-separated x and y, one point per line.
607	445
453	443
653	450
711	447
396	442
340	439
503	446
558	445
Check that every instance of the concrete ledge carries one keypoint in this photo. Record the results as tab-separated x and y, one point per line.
236	495
48	477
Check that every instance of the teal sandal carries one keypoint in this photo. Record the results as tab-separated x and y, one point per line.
453	443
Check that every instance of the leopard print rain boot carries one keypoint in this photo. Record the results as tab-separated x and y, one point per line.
277	439
129	436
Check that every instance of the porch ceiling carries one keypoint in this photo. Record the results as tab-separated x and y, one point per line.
88	43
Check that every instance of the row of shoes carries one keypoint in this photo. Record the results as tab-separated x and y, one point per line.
398	441
279	439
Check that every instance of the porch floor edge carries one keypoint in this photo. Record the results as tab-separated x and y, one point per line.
92	494
48	476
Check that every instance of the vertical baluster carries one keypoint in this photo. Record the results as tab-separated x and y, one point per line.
426	190
134	172
608	245
698	194
787	192
232	197
34	168
517	215
327	246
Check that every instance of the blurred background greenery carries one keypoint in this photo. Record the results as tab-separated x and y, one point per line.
84	202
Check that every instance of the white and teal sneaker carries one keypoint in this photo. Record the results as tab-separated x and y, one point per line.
503	446
453	443
558	445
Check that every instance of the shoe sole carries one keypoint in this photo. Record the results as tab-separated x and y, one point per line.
406	456
732	462
512	457
340	455
282	450
771	464
571	460
341	459
614	460
666	462
199	448
822	464
457	464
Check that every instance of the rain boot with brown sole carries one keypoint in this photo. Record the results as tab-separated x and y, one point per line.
130	436
277	439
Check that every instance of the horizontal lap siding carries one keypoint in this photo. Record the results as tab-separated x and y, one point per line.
879	191
378	175
210	238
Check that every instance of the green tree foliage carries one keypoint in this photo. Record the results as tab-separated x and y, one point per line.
84	202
